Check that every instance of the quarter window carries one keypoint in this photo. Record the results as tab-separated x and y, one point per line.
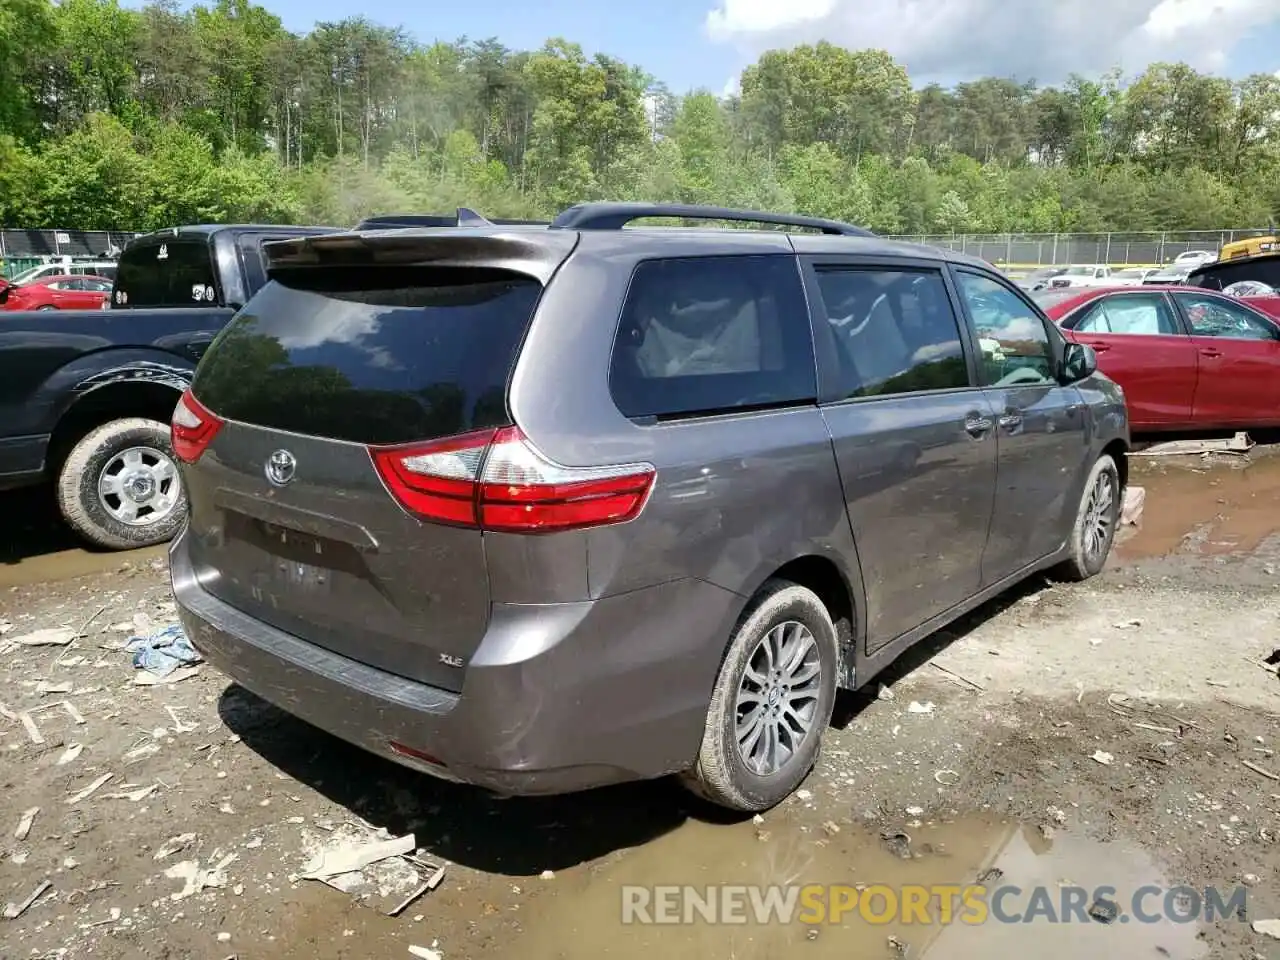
894	330
1015	345
713	335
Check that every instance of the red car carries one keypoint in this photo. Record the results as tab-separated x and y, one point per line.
1187	358
57	292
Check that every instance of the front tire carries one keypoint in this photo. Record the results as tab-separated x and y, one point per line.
120	488
1096	520
771	702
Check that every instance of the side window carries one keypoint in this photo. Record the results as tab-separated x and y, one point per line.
1216	317
713	335
1015	345
1132	313
895	331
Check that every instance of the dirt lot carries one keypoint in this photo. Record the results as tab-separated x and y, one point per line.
980	752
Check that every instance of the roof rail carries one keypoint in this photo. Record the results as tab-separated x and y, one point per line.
615	216
465	217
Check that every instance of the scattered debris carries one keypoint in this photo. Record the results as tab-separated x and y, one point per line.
1261	770
424	953
44	687
174	845
948	778
68	755
884	693
1104	911
897	843
49	637
177	676
344	858
831	827
1131	506
1103	757
90	790
990	874
133	795
547	875
429	884
13	911
915	811
1270	928
24	823
957	678
164	652
917	707
33	732
1237	445
196	878
804	795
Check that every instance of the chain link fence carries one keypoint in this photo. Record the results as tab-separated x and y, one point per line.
21	249
1026	251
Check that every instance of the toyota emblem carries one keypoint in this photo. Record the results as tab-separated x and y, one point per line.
280	467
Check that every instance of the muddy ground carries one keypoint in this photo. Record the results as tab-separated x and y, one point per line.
980	753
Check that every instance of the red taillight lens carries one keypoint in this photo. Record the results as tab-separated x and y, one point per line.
496	480
192	429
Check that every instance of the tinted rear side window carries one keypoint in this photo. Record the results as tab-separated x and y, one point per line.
371	356
712	335
177	273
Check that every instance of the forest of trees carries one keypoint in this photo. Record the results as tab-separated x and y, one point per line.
115	118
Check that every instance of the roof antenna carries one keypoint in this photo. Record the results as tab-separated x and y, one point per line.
469	218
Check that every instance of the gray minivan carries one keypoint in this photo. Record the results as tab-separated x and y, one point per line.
545	507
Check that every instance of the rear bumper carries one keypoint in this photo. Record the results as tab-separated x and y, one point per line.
557	698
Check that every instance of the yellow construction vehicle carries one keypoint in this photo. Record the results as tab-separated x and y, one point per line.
1250	246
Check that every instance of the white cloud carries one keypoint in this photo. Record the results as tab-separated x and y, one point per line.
1040	39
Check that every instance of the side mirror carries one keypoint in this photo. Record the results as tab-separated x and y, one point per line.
1078	361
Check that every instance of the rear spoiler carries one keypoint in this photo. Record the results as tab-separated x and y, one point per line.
535	253
465	217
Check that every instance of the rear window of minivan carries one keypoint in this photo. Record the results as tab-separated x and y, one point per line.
372	355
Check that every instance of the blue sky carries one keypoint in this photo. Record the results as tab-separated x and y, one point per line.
1040	39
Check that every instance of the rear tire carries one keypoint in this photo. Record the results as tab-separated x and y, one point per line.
776	687
1097	517
123	467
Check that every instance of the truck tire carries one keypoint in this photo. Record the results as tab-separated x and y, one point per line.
1094	531
120	488
779	672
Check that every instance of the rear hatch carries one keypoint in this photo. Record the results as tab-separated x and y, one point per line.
336	359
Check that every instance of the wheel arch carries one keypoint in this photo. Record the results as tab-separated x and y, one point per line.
112	395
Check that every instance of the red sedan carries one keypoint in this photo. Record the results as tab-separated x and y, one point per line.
57	292
1187	358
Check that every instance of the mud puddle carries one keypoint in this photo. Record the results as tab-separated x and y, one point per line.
1206	511
613	909
37	547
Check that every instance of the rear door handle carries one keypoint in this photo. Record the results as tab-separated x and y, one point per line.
1097	347
977	425
1011	420
1210	352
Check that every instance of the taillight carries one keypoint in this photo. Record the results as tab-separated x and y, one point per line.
192	429
496	480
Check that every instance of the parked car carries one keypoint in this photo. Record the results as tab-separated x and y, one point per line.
1039	279
65	267
1194	258
1082	275
86	396
55	292
1175	273
1259	268
540	508
1132	276
1186	358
